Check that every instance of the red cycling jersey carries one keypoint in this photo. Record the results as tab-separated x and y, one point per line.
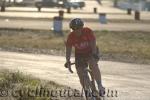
81	43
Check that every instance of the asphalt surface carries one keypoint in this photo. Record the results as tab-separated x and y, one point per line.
29	18
48	25
131	81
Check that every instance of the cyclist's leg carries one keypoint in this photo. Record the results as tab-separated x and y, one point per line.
97	75
80	67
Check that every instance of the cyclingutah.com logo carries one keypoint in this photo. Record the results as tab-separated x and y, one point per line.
52	93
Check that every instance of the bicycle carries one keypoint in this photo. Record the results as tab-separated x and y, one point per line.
89	87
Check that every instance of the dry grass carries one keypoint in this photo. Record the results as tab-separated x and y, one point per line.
127	46
30	39
119	46
17	86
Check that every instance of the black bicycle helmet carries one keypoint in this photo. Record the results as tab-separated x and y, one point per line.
76	23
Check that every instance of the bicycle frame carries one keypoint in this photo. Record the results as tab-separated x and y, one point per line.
89	84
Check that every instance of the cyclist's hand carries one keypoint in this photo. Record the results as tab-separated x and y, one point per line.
67	64
96	57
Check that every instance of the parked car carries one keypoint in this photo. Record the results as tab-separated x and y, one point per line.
46	3
60	3
74	4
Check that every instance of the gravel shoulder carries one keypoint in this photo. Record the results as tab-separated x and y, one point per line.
130	80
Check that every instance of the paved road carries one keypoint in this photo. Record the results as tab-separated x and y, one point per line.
19	17
86	13
48	24
130	80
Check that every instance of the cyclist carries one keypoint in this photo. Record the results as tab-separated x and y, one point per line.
84	42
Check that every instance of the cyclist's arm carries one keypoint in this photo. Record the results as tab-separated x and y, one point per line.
68	52
92	40
93	46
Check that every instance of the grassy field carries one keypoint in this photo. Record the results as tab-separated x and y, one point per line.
17	86
126	46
